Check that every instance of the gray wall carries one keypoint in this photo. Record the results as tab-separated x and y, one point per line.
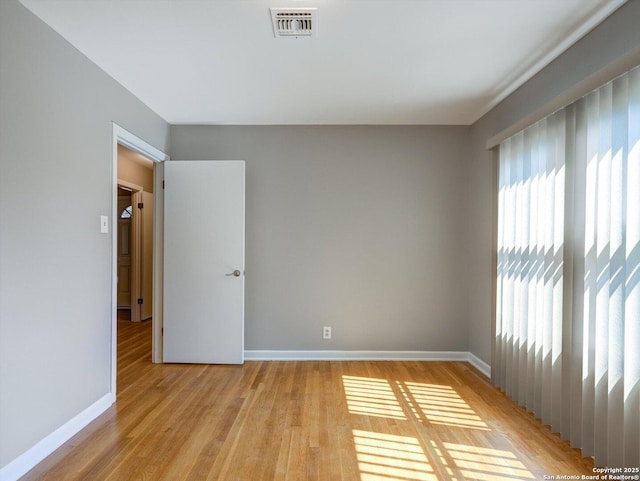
615	37
353	227
56	109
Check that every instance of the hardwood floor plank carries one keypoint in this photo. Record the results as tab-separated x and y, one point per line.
316	421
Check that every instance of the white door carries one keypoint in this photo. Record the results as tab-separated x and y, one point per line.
204	262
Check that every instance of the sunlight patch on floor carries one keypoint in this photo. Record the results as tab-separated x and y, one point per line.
386	457
486	463
371	397
389	457
441	405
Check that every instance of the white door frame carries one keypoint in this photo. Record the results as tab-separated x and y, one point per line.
127	139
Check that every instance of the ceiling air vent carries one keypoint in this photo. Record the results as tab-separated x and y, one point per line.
294	22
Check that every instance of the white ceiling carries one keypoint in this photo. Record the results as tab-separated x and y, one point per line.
373	61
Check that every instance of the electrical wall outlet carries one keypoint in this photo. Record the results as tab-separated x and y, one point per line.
326	332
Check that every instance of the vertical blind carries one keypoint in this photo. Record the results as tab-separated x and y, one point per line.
568	280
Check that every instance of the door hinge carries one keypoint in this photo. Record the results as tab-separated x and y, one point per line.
163	184
140	300
162	331
140	205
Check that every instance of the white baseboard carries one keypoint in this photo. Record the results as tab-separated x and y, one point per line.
28	460
472	359
355	356
479	364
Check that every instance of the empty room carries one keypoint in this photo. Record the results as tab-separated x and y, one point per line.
386	240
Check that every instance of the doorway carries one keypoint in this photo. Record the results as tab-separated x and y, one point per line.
143	194
134	236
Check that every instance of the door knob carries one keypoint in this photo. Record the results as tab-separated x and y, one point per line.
235	273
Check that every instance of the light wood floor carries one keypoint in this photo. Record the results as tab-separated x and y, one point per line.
298	421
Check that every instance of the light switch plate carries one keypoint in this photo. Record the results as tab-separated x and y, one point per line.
104	224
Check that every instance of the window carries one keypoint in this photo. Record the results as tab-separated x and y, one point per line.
126	212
